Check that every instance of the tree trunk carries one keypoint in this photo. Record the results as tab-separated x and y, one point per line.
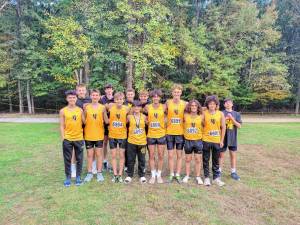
298	99
28	96
129	63
21	106
86	73
198	8
9	99
80	75
32	105
77	76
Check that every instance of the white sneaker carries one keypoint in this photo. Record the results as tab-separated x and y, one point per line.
218	182
128	180
143	180
186	179
94	167
207	181
73	170
160	180
199	180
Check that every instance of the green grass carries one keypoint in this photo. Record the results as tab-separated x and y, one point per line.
31	190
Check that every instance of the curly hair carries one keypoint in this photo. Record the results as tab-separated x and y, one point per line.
211	98
188	106
157	92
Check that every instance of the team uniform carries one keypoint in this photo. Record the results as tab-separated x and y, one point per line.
104	100
211	142
193	134
175	127
136	146
230	140
156	126
94	127
73	138
117	127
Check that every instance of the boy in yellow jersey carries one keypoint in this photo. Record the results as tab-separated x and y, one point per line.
213	139
71	120
118	134
175	139
193	139
137	141
156	136
95	115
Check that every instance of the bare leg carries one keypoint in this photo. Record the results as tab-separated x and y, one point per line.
99	158
90	158
188	159
179	161
122	160
161	151
198	160
114	161
233	159
171	161
105	143
151	157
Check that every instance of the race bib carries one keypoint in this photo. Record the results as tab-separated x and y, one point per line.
138	131
175	121
192	130
117	124
214	133
154	125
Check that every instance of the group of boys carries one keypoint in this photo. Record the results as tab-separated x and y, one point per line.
132	128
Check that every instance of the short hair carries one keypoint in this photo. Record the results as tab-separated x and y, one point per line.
157	92
95	91
70	92
177	86
188	106
80	86
228	99
211	98
119	95
108	86
144	92
137	103
130	90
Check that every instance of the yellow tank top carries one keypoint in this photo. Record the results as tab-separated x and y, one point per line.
94	125
212	127
193	127
156	122
117	122
73	124
137	132
175	117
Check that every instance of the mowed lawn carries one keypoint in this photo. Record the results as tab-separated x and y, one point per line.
32	192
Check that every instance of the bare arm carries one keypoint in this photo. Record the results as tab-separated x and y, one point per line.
105	117
223	130
82	116
62	124
236	123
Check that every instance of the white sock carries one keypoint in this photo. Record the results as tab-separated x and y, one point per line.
158	173
172	174
105	161
73	166
153	172
220	169
233	170
177	174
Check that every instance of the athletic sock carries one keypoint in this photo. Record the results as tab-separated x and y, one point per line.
220	169
233	170
158	173
153	172
177	175
172	174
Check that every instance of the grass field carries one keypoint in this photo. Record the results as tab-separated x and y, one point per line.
31	190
